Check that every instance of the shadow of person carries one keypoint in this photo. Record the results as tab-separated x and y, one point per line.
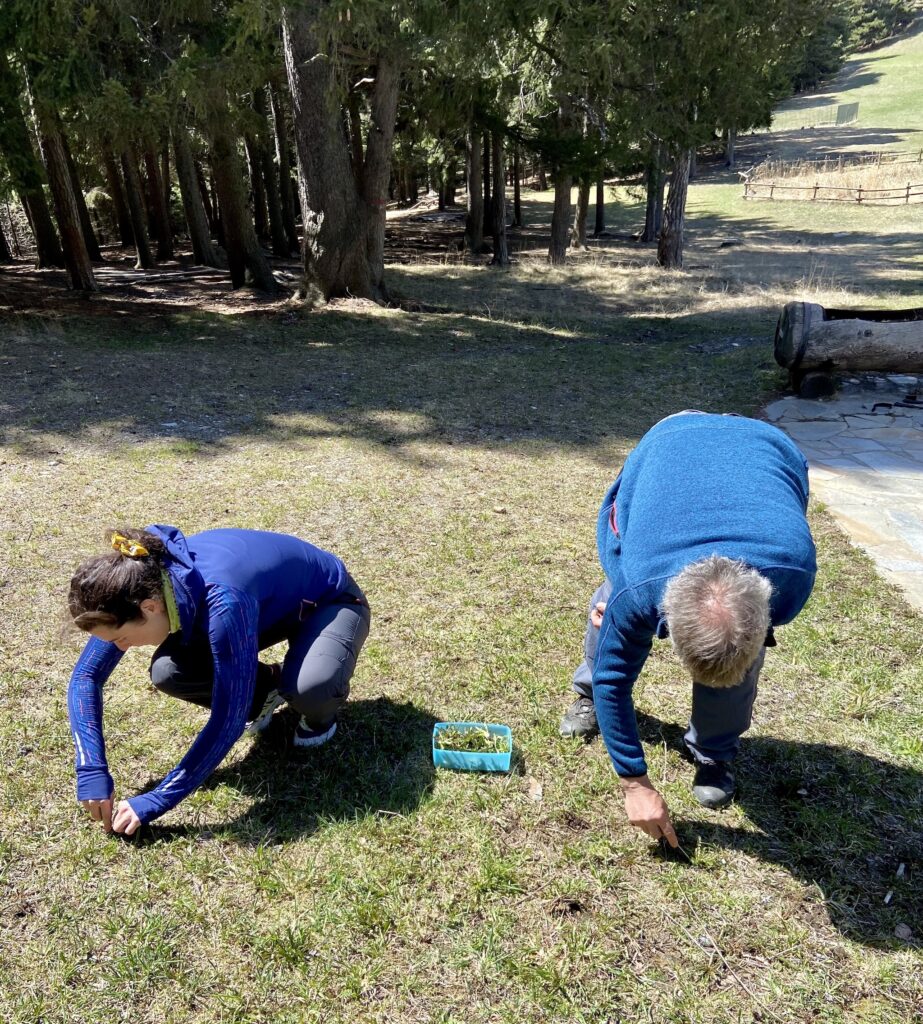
379	762
843	821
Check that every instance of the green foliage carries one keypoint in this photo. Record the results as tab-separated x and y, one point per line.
478	739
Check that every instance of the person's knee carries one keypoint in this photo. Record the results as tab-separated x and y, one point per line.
323	686
166	674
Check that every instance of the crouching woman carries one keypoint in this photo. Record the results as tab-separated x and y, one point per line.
209	604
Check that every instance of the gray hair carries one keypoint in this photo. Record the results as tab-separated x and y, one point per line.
717	611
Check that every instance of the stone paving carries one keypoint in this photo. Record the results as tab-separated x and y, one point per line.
864	447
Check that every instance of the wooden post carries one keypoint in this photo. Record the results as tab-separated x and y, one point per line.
859	196
815	192
772	186
907	200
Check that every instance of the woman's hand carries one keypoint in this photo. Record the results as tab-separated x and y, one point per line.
596	615
100	810
125	820
647	810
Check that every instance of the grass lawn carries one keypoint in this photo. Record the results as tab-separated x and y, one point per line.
455	460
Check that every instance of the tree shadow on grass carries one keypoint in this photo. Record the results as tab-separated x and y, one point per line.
837	819
379	763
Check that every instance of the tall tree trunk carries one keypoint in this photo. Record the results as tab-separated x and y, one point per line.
343	218
26	170
76	257
13	231
245	255
600	225
48	252
5	255
277	233
560	218
136	210
284	160
730	142
160	214
117	192
474	222
517	187
211	210
487	182
165	175
257	189
654	185
542	178
449	177
203	249
501	250
377	168
578	231
86	225
670	246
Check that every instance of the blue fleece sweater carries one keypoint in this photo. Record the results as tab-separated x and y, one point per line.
696	485
232	587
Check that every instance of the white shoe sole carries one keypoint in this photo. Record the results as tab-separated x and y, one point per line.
262	722
314	741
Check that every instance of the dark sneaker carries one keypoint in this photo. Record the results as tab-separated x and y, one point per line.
307	735
274	700
713	785
580	720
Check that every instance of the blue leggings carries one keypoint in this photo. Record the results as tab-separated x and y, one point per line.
320	661
720	715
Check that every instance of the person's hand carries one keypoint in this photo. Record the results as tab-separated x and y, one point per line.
100	810
125	820
647	810
596	615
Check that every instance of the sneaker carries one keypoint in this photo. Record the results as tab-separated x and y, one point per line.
713	785
307	735
580	720
274	700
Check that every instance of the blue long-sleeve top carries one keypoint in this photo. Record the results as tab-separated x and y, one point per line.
232	587
696	485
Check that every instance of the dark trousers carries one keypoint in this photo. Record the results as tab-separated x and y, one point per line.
323	647
720	715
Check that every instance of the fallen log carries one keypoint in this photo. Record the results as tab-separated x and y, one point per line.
810	337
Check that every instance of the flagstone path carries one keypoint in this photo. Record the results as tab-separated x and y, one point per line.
864	448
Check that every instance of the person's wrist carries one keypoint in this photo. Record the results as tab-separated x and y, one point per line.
630	782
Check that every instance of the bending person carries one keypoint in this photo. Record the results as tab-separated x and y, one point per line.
209	604
702	538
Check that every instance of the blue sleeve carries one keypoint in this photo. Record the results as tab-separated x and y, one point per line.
233	618
85	710
620	655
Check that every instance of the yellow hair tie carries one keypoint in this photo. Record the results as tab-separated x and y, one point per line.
129	548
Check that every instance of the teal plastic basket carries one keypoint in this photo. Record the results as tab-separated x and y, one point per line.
472	760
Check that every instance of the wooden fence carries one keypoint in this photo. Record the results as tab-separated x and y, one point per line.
836	162
823	116
813	193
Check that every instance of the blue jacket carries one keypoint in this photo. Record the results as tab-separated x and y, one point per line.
232	588
696	485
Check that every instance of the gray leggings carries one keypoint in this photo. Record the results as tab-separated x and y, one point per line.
720	715
322	650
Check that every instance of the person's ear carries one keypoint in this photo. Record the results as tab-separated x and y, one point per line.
153	606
